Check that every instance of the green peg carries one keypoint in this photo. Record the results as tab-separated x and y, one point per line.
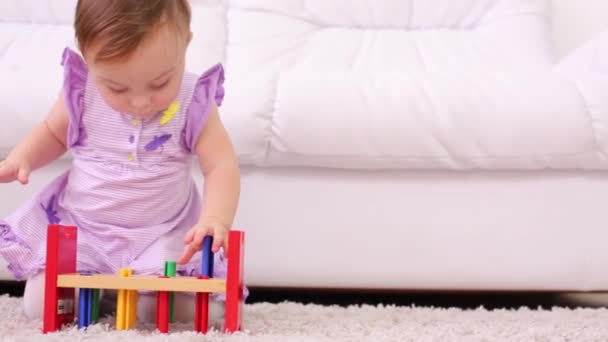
171	271
95	306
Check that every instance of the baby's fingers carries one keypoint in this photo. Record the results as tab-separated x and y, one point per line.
7	174
24	174
189	236
219	239
186	255
199	235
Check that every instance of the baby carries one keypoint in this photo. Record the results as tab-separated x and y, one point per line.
133	120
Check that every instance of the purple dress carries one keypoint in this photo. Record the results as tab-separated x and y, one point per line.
129	190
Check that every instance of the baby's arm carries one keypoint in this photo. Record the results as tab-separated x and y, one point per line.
44	143
221	190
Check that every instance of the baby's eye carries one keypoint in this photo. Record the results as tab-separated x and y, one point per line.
159	86
117	90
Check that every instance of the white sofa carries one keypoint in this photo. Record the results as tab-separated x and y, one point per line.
420	144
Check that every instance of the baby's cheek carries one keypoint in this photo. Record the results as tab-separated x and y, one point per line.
116	102
164	98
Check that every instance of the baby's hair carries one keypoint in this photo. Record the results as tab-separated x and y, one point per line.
121	25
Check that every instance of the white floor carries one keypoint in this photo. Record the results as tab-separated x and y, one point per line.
295	322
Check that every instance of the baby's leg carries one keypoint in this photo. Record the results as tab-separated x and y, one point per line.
33	297
184	308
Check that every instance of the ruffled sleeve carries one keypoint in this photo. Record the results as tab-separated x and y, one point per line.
74	84
209	90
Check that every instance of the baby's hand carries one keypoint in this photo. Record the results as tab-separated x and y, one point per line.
14	168
194	237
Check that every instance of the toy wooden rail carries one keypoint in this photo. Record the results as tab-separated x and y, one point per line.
151	283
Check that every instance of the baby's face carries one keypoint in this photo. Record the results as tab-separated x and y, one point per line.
148	80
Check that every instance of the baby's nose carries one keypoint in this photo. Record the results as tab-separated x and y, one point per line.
139	103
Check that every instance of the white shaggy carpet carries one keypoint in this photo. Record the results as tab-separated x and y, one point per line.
296	322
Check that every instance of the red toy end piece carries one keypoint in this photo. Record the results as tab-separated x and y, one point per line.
201	313
234	281
162	311
60	259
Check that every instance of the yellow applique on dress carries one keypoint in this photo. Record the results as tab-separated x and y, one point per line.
169	113
131	157
135	122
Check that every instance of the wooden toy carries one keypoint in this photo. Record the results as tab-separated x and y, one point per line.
171	271
201	317
126	305
62	281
